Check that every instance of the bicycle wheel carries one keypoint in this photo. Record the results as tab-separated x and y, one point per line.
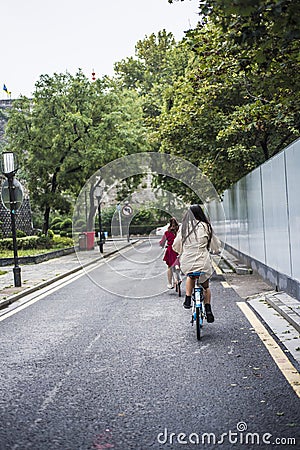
178	282
198	322
179	288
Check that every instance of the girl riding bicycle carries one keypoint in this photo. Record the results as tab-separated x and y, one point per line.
193	242
170	257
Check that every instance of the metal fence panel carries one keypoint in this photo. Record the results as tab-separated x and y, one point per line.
255	216
242	214
292	155
263	213
276	215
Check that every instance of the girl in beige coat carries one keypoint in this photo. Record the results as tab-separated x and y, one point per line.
194	240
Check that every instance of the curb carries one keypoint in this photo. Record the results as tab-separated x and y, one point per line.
284	310
8	301
235	265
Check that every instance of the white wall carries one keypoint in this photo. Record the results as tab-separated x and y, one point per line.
262	212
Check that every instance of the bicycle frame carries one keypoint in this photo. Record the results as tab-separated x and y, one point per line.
198	310
177	278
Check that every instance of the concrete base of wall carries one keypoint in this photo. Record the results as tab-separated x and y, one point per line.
280	281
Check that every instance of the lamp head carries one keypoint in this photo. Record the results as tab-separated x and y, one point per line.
8	163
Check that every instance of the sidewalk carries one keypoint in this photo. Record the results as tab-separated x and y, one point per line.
278	310
36	276
287	306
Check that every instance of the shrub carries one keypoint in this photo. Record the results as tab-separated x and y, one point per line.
20	234
66	225
36	242
61	241
25	243
50	234
66	234
56	222
44	242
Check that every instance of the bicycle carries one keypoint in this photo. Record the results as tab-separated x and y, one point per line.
198	310
176	275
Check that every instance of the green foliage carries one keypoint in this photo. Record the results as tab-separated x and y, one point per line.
20	233
50	234
37	242
106	216
230	112
66	225
69	129
143	216
62	242
44	241
227	96
27	243
158	62
56	222
143	221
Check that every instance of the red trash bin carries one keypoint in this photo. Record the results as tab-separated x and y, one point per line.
90	240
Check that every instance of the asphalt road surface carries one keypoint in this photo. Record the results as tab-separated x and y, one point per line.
85	368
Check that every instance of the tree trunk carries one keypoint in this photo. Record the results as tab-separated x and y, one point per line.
264	146
46	219
48	208
92	211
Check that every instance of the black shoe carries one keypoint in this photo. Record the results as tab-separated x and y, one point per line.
187	302
209	315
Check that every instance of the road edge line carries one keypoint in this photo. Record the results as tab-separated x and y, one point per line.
13	298
282	361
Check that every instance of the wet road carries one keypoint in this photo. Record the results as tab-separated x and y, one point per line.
93	368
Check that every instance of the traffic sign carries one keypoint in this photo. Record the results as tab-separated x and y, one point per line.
18	191
127	210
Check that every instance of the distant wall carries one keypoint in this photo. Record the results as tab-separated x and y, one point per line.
262	213
23	219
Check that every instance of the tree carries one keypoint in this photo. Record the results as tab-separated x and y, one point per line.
230	112
68	130
158	61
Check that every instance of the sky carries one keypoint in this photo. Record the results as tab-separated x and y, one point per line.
54	36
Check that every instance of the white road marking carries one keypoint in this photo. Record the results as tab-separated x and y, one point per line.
92	343
34	297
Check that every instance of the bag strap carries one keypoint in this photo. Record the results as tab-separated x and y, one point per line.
193	229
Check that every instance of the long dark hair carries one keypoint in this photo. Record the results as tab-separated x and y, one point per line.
191	219
173	226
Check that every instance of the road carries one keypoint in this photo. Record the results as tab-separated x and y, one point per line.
84	368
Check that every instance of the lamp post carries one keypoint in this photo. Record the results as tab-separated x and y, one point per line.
98	192
120	219
9	169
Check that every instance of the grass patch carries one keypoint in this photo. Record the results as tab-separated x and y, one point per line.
31	252
3	272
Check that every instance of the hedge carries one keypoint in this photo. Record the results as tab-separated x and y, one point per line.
36	242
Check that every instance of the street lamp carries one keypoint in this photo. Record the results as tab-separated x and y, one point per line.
9	168
98	193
